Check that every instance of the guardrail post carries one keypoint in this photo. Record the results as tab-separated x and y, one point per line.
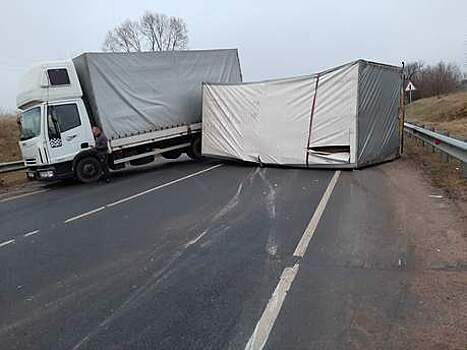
444	156
464	167
423	142
433	148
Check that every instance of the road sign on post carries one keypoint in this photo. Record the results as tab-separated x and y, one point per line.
410	88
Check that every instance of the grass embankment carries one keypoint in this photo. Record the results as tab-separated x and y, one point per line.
9	149
446	113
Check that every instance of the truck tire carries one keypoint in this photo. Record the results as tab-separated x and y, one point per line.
194	152
88	169
172	154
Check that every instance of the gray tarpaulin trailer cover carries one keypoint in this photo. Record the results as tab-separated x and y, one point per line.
348	116
134	93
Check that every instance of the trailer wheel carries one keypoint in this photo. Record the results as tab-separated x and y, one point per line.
194	152
88	169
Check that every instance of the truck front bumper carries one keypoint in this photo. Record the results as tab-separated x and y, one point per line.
42	175
46	174
50	173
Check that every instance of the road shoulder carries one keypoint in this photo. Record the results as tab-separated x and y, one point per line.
434	314
387	268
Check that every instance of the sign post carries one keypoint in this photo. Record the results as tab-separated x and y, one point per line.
410	87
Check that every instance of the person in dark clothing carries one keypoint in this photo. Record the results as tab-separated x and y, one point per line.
102	149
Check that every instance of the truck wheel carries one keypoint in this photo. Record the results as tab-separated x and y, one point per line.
172	154
194	152
88	170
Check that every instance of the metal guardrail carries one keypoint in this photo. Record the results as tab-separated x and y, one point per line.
450	146
12	166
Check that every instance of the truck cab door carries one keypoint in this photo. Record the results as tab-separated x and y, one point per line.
67	135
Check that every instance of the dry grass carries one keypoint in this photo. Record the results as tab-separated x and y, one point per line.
9	137
441	174
447	112
12	179
9	149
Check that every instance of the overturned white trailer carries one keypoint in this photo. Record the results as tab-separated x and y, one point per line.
348	116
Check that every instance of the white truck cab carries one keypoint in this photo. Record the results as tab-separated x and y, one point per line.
55	125
56	131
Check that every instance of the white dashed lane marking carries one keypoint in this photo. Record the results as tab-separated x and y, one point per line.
3	244
31	233
10	241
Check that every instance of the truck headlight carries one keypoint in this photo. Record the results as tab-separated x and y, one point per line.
46	174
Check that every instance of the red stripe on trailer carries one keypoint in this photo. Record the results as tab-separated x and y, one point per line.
311	119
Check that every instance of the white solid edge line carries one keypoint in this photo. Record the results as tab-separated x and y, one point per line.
31	233
310	230
21	196
83	215
264	326
161	186
6	243
266	322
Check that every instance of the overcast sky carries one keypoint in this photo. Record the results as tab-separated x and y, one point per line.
275	39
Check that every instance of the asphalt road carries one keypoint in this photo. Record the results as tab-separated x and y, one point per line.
201	255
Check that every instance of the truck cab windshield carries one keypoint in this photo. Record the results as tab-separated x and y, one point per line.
30	123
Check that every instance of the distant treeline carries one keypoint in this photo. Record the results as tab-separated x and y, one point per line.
433	80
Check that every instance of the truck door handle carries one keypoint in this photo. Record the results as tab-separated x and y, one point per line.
71	137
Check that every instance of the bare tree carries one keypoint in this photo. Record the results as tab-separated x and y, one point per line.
177	37
438	79
153	32
412	69
163	33
126	37
153	29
